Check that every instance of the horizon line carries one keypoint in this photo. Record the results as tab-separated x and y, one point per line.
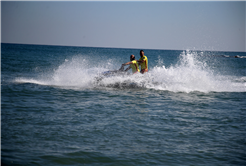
121	47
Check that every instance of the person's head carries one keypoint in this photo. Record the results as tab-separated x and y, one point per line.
132	57
141	53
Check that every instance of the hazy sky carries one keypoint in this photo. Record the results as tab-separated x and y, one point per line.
218	26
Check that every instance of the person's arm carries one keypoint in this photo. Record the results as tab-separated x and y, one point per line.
141	61
124	64
128	63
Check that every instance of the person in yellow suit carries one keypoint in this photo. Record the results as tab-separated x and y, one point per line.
133	64
143	61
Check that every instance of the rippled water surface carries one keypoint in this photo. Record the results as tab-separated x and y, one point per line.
189	109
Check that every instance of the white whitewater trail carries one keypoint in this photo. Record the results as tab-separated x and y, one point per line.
188	75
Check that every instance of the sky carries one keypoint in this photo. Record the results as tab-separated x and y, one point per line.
166	25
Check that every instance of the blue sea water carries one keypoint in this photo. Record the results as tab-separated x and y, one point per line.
189	109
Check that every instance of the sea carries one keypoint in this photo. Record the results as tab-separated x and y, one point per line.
188	109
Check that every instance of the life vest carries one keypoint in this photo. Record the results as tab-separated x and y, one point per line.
144	65
134	66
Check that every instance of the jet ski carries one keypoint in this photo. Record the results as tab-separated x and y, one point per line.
111	73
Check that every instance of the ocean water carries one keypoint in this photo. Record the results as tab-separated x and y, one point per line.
189	109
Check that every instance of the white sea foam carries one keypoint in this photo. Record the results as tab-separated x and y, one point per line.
188	75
